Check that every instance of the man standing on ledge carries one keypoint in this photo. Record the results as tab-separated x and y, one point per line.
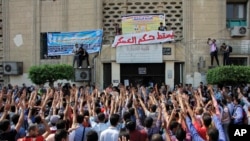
213	51
225	50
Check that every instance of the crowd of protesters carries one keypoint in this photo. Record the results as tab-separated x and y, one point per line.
134	113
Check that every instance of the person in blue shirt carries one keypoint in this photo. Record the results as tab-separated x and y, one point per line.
238	112
213	133
80	133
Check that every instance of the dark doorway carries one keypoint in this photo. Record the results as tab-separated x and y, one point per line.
178	73
106	74
143	74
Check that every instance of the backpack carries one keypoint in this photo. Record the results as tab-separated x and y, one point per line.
230	49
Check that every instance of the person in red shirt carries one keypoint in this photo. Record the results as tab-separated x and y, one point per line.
135	135
206	122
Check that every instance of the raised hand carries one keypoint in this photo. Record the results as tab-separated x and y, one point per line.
7	107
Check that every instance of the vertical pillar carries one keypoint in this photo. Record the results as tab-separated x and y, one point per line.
115	69
169	73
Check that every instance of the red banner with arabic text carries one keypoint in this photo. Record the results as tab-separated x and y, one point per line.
150	37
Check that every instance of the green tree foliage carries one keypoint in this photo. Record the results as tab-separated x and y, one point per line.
50	73
229	75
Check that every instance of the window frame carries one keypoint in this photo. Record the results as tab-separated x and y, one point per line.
234	10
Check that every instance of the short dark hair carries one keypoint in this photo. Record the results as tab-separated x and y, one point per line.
4	125
173	124
79	118
85	113
153	108
213	134
148	122
114	119
61	134
15	118
131	111
207	119
126	115
92	136
130	125
13	108
38	119
61	124
180	134
98	110
101	117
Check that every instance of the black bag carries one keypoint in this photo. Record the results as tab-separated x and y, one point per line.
230	49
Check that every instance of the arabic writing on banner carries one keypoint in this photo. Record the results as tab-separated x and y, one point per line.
143	38
141	23
62	43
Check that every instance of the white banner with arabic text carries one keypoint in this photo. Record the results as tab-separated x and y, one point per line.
150	37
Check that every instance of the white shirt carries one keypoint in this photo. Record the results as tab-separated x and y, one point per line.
110	134
71	136
98	127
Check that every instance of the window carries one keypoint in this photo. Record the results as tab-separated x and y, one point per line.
236	14
236	11
238	61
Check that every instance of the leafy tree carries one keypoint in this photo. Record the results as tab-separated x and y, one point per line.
229	75
50	73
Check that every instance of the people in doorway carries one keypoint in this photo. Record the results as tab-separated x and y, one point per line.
213	50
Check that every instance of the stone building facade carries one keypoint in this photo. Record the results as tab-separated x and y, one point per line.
24	22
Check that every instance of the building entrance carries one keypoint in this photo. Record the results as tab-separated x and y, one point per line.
144	74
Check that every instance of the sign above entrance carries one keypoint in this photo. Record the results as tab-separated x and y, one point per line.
150	37
137	23
166	51
139	54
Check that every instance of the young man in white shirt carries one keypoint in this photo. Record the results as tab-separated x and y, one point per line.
111	134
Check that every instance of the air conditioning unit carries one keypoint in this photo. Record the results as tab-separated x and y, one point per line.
82	75
239	31
12	68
